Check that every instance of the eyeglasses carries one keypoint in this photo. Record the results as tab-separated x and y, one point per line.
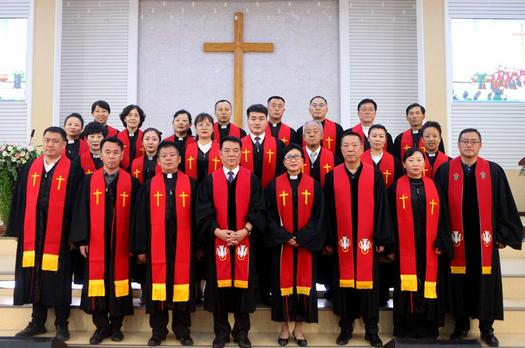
468	141
290	157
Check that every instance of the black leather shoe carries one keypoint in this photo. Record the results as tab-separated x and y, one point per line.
62	333
343	338
32	329
458	334
490	339
155	341
243	341
301	342
117	335
219	342
374	340
186	340
99	335
282	341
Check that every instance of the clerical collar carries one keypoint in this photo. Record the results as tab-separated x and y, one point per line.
131	134
95	155
71	141
170	175
234	170
224	126
50	165
261	137
430	154
376	158
180	138
294	177
151	158
204	147
415	131
274	125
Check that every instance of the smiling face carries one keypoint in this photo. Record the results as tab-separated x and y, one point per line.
73	127
168	159
257	122
111	155
431	139
414	165
469	145
132	120
94	141
223	112
204	129
100	115
293	161
151	142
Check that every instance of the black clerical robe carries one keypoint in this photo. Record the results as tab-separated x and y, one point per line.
181	142
140	242
224	131
286	139
296	307
80	235
32	284
475	294
75	148
414	315
338	134
221	300
351	303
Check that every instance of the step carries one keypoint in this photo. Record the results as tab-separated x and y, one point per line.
7	246
513	287
509	252
513	267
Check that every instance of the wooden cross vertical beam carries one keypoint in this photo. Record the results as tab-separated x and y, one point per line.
238	47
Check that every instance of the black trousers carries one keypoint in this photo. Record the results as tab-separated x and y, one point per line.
222	327
39	314
180	324
102	319
371	327
462	322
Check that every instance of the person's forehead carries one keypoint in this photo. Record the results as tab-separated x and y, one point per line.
318	101
223	104
52	135
430	129
293	152
168	149
366	106
470	135
312	126
111	145
182	116
257	114
351	138
415	109
230	144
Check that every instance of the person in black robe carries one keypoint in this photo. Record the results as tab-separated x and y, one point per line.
294	307
221	301
73	125
132	117
473	294
169	159
44	289
223	113
351	303
415	115
414	315
318	109
107	311
366	112
276	108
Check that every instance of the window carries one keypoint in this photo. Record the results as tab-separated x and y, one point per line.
13	45
488	60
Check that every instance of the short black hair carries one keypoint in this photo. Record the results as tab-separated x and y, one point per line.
58	130
155	130
350	132
222	101
76	115
257	108
180	112
367	101
201	117
113	140
318	96
95	128
431	124
101	104
166	144
469	130
231	139
412	151
293	146
415	105
275	97
377	126
128	109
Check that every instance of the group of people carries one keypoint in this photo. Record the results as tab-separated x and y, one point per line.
272	211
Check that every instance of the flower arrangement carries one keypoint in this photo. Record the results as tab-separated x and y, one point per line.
12	158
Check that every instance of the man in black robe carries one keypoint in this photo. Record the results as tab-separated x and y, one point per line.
276	108
476	294
222	300
351	303
44	288
141	244
108	310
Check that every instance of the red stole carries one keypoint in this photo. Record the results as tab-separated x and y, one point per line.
365	252
188	140
234	132
87	163
112	132
223	262
407	247
407	142
386	166
269	164
284	135
139	149
284	202
358	128
330	136
55	213
191	155
181	275
119	232
137	168
83	147
326	163
455	199
430	171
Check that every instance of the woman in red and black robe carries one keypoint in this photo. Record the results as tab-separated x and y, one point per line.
73	125
132	118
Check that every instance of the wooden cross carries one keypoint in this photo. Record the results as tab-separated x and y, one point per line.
403	199
183	195
190	160
432	204
35	176
59	179
124	195
97	193
238	47
283	195
270	154
157	196
386	173
215	162
306	193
